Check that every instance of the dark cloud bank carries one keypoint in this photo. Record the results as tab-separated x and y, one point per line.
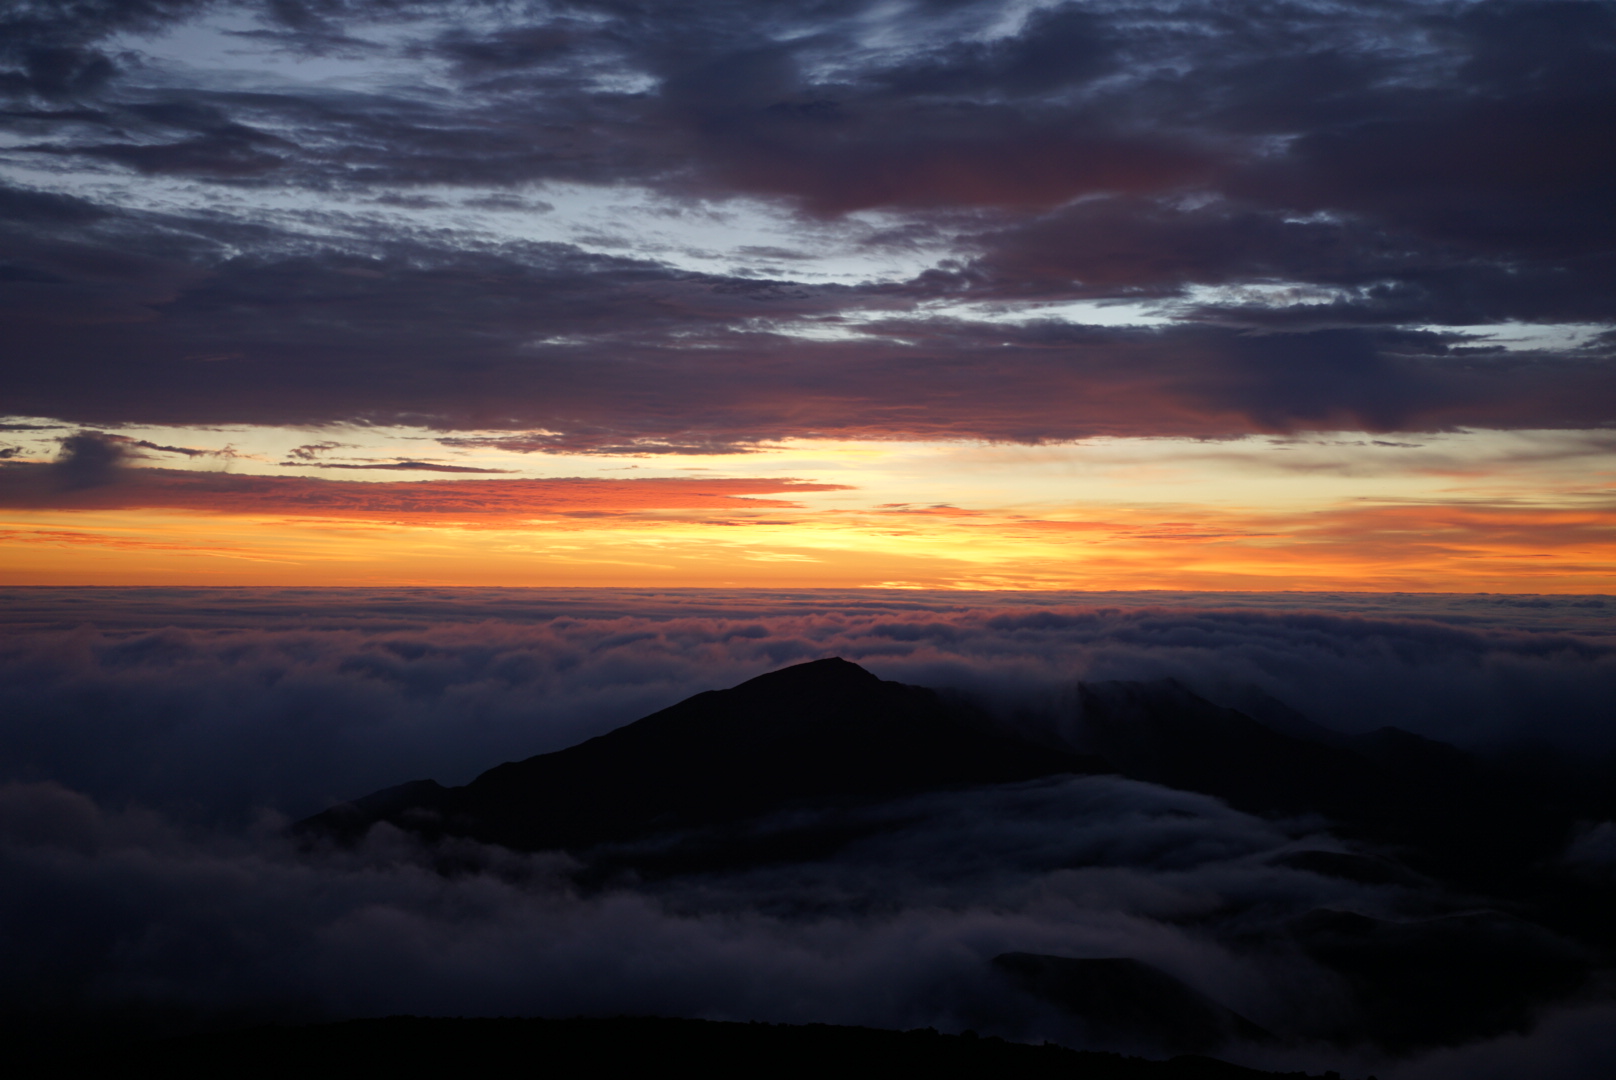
1323	195
157	742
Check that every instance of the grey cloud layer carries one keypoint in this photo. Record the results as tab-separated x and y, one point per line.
125	909
219	701
146	731
1416	166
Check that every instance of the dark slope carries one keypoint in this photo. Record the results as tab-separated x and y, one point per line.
1489	831
1463	817
1442	981
826	731
1125	999
402	1047
1165	733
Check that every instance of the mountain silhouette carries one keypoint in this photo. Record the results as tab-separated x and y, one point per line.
713	783
816	733
829	733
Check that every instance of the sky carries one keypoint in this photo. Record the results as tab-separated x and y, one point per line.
928	295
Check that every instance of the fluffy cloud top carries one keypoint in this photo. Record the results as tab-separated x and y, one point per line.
233	699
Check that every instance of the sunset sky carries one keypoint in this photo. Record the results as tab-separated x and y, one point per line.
929	294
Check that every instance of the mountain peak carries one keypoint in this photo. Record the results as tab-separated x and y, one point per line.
822	732
832	670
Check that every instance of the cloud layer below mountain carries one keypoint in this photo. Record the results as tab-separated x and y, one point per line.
156	740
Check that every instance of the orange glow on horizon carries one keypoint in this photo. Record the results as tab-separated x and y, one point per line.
1483	511
1387	547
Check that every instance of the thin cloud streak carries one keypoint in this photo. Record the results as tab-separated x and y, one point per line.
89	478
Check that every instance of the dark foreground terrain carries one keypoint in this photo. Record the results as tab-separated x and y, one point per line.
410	1046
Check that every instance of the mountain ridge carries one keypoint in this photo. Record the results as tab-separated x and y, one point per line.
826	731
711	784
829	732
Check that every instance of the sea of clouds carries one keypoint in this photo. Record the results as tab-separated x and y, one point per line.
155	743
